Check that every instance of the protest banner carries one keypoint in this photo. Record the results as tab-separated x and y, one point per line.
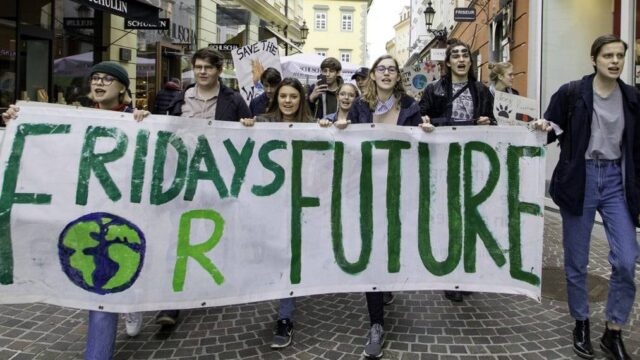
98	211
510	109
250	61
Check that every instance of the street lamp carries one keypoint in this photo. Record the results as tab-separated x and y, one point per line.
304	31
429	13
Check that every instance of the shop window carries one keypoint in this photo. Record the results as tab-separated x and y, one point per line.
7	63
72	54
36	13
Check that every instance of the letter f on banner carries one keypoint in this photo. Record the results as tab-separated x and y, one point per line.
197	252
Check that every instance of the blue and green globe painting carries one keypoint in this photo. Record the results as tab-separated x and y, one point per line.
102	253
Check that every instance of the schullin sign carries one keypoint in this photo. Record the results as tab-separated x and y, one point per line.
126	9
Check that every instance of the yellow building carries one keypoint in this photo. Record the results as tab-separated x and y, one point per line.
398	47
337	28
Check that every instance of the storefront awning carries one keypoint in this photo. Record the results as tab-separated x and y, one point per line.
129	9
283	39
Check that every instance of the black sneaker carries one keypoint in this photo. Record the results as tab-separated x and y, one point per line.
167	317
283	334
387	297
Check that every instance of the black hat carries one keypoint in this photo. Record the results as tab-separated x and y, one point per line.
114	69
363	71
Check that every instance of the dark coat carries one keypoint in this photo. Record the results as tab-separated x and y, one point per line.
259	104
230	107
165	97
436	102
568	179
317	108
360	113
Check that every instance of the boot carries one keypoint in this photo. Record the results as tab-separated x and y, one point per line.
582	340
612	345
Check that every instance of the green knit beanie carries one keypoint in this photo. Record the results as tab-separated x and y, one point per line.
114	69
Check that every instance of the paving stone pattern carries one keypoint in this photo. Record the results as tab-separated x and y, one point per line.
419	325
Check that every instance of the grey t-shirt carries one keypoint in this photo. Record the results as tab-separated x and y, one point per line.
607	127
463	105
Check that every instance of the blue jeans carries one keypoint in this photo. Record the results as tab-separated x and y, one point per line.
101	337
286	308
604	192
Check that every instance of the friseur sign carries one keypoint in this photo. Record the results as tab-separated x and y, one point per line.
130	9
464	14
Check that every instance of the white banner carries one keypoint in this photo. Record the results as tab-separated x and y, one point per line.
250	62
101	212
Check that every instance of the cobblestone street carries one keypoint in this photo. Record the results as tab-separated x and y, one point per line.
419	325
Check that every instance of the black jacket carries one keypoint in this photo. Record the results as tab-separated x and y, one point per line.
568	179
409	112
165	97
316	108
259	104
230	107
436	102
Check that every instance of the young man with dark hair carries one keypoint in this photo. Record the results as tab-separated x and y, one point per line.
209	98
457	99
270	78
597	122
323	99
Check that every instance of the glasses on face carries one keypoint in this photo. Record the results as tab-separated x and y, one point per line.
106	80
199	68
391	69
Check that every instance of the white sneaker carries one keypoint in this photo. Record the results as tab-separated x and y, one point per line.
133	322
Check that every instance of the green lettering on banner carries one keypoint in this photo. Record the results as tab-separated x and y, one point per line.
366	202
9	195
274	167
394	224
240	163
139	165
336	220
474	225
440	268
92	162
185	250
203	153
298	201
515	207
165	139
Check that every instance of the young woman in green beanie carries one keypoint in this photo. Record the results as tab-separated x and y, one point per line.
109	83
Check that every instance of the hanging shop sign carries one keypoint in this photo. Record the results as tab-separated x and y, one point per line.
130	9
136	24
78	23
464	14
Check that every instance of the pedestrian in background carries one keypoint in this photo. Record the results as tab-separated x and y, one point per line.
597	122
361	75
457	99
109	90
165	96
270	79
501	77
323	96
289	105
